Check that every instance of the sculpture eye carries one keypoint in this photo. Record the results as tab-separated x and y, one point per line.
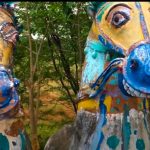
119	19
118	15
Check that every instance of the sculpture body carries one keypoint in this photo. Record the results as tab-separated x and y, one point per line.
12	135
114	93
116	76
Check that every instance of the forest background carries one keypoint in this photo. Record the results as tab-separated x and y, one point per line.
48	61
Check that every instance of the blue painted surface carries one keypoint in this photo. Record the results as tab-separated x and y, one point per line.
104	76
140	82
142	21
111	46
16	82
6	88
98	134
103	83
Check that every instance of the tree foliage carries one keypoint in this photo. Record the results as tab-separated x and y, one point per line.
58	34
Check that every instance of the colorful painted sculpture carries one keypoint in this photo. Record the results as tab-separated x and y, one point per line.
12	135
116	75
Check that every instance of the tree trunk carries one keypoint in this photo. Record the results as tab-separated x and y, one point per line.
34	138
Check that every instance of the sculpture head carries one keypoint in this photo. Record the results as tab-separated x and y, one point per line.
124	28
8	37
8	32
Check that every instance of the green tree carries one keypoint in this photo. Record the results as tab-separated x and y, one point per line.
51	47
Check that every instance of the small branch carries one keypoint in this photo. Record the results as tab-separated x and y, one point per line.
38	52
60	77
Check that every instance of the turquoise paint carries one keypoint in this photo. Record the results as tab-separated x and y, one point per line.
95	6
126	129
99	17
113	142
96	46
94	55
4	144
112	110
23	141
108	58
111	46
118	101
100	5
95	60
140	145
135	132
115	80
7	3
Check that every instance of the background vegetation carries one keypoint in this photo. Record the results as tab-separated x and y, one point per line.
48	61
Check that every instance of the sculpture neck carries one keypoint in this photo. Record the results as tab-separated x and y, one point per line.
114	100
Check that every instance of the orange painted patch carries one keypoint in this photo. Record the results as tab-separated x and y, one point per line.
14	128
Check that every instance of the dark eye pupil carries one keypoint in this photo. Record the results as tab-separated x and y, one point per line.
119	19
116	19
